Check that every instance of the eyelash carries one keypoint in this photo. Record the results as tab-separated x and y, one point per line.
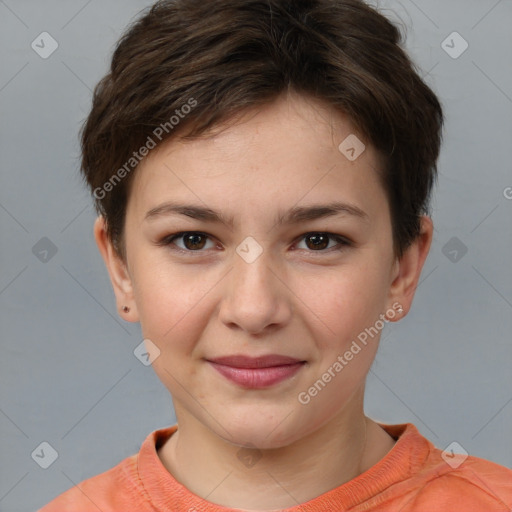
169	239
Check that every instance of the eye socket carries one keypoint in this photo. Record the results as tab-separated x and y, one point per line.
188	237
320	241
195	241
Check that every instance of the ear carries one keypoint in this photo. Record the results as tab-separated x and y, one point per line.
118	272
407	269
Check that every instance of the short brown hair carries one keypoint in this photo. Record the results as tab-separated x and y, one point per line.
218	58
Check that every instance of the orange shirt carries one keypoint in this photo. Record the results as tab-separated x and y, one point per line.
412	477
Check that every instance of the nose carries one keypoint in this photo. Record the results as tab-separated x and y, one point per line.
255	299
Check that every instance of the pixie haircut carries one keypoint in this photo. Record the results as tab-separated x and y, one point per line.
185	66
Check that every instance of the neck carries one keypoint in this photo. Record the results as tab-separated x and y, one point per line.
229	476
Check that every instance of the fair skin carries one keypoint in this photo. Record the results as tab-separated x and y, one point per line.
295	300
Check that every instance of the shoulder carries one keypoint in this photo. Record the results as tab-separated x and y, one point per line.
124	487
110	490
476	484
444	481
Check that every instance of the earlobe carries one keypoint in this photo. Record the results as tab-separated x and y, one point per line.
407	270
118	272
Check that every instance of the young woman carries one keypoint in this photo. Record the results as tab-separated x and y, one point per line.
262	172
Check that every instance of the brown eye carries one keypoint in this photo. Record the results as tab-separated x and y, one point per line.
317	241
321	242
187	242
194	241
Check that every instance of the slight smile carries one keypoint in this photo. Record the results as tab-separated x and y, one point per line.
256	372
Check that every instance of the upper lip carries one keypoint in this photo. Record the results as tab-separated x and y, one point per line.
241	361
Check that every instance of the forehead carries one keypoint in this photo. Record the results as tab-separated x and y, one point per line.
283	152
292	122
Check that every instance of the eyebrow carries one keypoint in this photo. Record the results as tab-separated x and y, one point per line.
295	215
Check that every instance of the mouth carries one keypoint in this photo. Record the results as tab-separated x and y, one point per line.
256	372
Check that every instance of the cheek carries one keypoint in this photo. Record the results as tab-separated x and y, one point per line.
172	315
348	304
170	302
344	300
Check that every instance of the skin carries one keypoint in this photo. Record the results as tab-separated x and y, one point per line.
294	299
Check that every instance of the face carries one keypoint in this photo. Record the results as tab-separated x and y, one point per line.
255	259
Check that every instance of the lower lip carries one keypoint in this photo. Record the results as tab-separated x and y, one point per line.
257	378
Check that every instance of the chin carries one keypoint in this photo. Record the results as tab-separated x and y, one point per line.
262	431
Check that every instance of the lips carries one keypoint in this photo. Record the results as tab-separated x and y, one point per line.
255	362
256	372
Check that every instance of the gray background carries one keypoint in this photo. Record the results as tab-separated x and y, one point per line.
68	374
